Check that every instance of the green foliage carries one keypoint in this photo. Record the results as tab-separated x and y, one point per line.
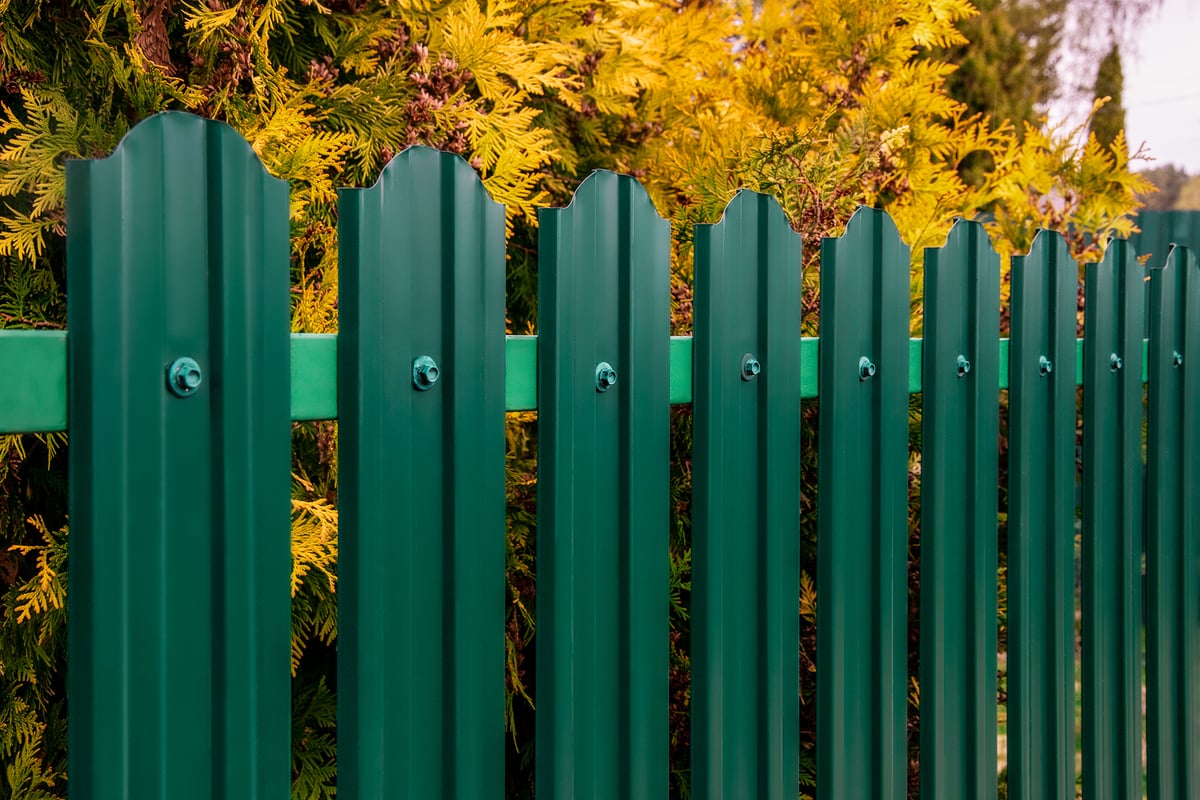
1007	69
1167	181
314	741
32	617
1108	122
824	104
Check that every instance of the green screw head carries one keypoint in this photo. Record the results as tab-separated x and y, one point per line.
866	369
962	365
1045	366
184	377
1177	359
606	376
750	367
425	373
1115	362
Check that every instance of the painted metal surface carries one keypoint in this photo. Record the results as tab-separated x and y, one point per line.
1161	229
37	362
1041	523
746	484
314	376
179	614
959	504
421	497
1172	529
602	496
863	498
33	393
520	373
1114	303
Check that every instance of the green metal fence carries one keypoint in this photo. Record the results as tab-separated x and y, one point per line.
181	372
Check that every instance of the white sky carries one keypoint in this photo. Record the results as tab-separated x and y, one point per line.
1162	86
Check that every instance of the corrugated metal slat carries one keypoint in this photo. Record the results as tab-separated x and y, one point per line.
959	475
746	531
602	495
421	495
1172	528
179	613
1041	523
862	538
1112	525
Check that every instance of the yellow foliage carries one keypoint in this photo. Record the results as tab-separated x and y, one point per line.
45	590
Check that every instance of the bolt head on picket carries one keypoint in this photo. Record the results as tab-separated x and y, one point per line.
425	373
1177	359
750	367
184	377
963	366
1045	366
1115	362
606	376
866	369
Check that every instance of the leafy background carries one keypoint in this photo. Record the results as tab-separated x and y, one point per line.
824	104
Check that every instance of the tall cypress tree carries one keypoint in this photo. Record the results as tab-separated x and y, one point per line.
1008	67
1109	121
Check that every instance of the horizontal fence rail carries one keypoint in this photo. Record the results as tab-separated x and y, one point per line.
33	398
178	410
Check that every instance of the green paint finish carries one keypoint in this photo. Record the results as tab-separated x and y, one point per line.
33	394
1041	524
1161	229
746	530
863	503
959	475
915	350
681	369
521	377
1004	348
602	496
179	614
520	373
421	500
1112	525
32	359
314	376
1172	528
810	363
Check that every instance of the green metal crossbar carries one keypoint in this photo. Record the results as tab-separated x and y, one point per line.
33	395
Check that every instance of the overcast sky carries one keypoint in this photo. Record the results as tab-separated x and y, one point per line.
1162	86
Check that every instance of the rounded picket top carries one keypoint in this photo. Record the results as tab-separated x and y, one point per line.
965	233
1046	239
869	247
1160	229
1120	248
954	274
1176	254
1120	257
745	200
176	138
866	219
415	169
605	186
1048	255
